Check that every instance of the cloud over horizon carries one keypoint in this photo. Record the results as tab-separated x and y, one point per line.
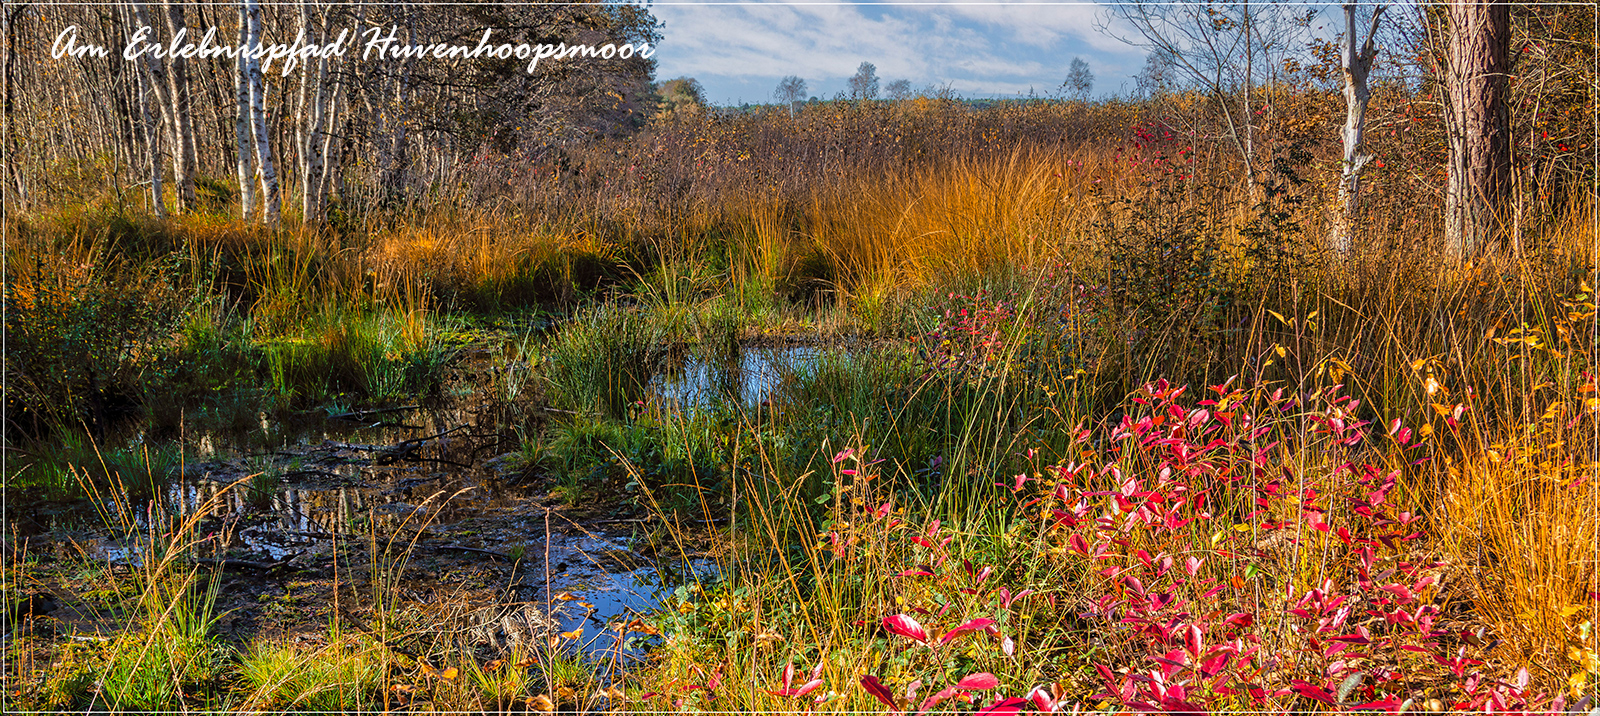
740	51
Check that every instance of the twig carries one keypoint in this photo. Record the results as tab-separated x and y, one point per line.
464	548
376	411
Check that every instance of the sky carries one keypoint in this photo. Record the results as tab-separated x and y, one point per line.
739	50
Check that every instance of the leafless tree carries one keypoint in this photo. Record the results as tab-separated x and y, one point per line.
271	205
185	160
899	90
1080	80
1356	59
1158	76
864	84
1224	49
244	144
790	89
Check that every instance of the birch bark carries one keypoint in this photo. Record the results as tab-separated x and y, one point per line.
270	203
243	137
184	159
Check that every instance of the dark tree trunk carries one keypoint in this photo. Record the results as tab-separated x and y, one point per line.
1479	172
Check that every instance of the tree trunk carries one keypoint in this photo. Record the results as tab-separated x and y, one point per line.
270	204
152	133
184	159
242	134
1479	169
17	189
1357	61
313	111
155	71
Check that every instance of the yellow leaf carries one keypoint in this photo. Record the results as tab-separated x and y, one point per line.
541	703
1278	316
1576	682
565	597
574	634
1584	657
1280	351
446	674
1241	528
1569	611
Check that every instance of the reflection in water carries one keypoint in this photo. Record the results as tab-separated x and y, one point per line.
749	376
614	582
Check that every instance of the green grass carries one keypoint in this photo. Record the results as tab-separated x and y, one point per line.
344	674
602	360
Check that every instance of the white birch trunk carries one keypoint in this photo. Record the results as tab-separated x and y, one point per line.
184	159
329	157
242	133
270	203
309	131
1357	62
151	139
154	72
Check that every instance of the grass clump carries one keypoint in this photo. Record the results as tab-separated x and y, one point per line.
342	674
602	360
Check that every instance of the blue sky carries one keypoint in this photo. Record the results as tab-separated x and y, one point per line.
740	51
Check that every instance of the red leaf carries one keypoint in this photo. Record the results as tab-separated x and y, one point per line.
878	691
981	681
935	699
1314	692
1391	704
970	626
1007	706
902	625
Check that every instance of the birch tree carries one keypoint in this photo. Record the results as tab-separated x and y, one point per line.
147	85
243	135
1357	63
1218	48
185	163
270	203
310	122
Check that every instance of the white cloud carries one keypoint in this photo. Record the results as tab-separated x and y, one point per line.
976	49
